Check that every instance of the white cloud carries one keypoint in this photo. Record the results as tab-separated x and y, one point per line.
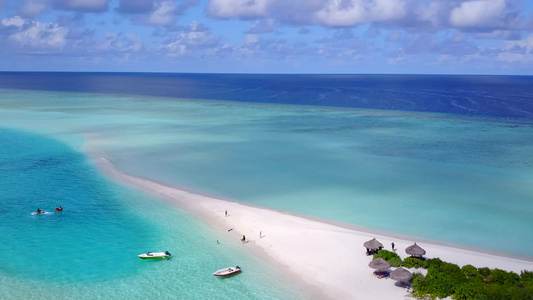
478	13
197	38
238	8
36	37
136	44
194	38
118	43
16	21
434	13
353	12
398	58
263	26
163	15
510	57
333	13
343	13
412	15
348	55
155	12
517	51
387	10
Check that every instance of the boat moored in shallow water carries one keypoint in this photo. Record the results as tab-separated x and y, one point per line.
155	255
227	271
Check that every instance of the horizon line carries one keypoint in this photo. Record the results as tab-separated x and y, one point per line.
268	73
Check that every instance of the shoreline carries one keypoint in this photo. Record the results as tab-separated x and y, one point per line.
327	259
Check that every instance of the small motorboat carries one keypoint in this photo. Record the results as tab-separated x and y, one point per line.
39	212
227	271
155	255
59	209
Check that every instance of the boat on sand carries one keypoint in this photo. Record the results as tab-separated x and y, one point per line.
155	255
227	271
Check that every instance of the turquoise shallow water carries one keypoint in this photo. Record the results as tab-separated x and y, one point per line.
39	173
89	251
467	181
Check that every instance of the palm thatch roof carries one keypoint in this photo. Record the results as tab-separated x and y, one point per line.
415	250
373	244
379	264
401	274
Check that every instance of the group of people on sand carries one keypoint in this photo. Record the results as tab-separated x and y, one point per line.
243	239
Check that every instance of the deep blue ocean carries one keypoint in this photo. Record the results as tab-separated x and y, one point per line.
474	95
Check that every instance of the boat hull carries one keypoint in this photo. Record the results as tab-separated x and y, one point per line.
159	257
154	255
227	272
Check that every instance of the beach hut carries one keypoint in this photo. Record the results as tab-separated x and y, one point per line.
382	266
372	246
415	250
401	275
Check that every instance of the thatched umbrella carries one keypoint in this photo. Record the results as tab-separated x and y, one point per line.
373	244
415	250
401	275
379	264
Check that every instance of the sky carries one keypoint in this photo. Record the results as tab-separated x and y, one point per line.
268	36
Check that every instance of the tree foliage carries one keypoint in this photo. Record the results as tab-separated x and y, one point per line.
413	262
469	283
445	279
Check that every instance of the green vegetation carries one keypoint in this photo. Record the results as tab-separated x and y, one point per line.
412	262
395	260
445	279
389	256
441	280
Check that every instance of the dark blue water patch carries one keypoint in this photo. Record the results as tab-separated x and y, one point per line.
482	96
95	238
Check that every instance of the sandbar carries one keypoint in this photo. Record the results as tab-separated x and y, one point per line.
327	259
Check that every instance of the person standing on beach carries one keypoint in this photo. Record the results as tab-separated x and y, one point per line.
243	239
226	213
392	244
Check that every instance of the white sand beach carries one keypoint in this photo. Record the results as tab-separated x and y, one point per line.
326	258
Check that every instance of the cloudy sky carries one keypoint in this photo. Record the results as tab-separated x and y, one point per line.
268	36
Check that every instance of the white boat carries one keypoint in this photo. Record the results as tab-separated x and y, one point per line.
155	255
227	271
42	212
